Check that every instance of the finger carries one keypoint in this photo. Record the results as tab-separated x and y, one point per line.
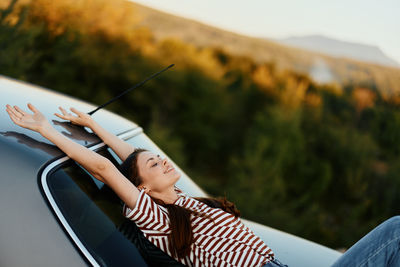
9	108
20	110
63	111
14	118
60	116
68	116
77	112
33	108
12	115
12	110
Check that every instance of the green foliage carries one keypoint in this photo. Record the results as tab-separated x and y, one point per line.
314	160
17	51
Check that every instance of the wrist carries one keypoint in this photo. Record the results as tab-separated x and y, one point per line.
91	123
44	130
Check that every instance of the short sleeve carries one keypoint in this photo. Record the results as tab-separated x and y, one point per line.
150	217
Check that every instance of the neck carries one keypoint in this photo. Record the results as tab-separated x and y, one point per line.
168	196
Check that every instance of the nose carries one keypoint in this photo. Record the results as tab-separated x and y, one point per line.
165	164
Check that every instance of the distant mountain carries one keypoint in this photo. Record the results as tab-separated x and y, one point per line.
337	48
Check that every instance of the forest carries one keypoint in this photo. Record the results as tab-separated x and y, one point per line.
320	161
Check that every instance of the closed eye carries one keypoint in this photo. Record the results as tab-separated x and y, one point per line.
155	164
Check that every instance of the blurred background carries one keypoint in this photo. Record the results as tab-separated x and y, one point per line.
291	110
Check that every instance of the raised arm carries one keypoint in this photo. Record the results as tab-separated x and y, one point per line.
100	167
119	146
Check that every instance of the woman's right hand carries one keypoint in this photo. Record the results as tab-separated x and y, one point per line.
36	122
81	118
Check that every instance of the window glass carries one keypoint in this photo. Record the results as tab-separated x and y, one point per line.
94	212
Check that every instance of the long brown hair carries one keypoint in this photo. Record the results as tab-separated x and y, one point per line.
181	236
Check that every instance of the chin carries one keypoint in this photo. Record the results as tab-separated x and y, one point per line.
177	176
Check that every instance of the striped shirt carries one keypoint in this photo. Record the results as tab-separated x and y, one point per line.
219	240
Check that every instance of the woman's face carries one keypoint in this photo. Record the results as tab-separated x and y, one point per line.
157	174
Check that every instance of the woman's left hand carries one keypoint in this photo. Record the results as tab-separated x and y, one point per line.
81	118
36	122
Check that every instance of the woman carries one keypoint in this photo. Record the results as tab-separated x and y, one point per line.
196	232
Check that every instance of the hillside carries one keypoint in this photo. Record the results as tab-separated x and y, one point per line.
338	70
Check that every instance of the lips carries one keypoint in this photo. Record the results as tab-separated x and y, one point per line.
170	169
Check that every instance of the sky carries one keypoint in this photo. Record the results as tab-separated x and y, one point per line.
370	22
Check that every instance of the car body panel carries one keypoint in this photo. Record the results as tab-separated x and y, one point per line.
293	250
30	235
19	93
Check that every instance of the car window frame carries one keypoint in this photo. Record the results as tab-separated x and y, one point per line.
43	183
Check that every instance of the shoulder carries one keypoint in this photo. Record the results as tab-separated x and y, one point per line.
145	205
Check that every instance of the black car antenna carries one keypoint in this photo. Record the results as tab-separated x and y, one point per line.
130	89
